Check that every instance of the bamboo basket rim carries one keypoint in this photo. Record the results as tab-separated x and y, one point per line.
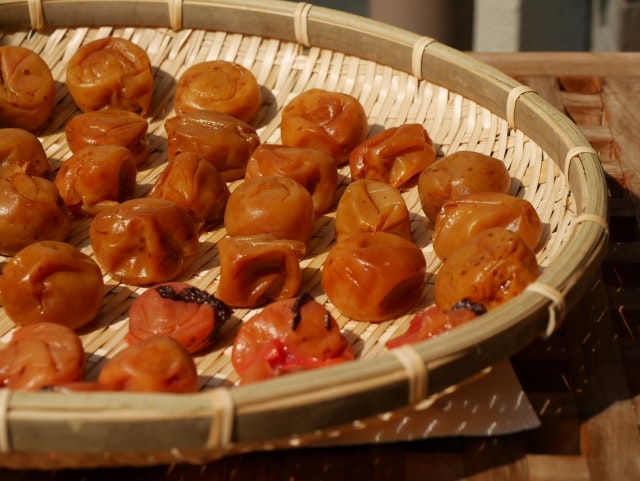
147	425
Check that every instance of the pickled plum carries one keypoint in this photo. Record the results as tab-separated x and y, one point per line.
27	89
395	156
51	281
221	139
110	127
460	219
288	336
110	72
492	267
95	178
313	169
270	204
331	122
196	185
190	315
31	211
374	276
431	322
158	363
258	269
218	85
459	174
41	355
144	241
372	206
21	151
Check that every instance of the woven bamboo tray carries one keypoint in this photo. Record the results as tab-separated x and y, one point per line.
399	77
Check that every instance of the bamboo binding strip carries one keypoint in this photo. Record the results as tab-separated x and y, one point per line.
398	76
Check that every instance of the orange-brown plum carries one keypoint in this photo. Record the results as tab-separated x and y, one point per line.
41	355
95	178
332	122
461	219
218	85
110	127
258	269
158	363
51	281
271	204
459	174
395	156
31	211
144	241
21	151
288	336
196	185
432	322
374	276
315	170
190	315
372	206
110	72
221	139
27	89
492	267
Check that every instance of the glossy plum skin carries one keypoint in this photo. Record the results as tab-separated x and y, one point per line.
273	205
218	85
52	281
288	336
331	122
158	363
374	276
371	206
395	156
41	355
461	219
21	151
95	178
189	315
110	72
315	170
110	127
255	270
27	89
144	241
458	174
492	267
221	139
429	323
31	211
196	185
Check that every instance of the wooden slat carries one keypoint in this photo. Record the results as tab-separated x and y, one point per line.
556	64
434	467
557	468
495	459
603	397
617	93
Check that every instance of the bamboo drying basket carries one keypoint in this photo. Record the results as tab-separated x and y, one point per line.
399	77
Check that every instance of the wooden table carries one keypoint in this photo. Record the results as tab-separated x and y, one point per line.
584	381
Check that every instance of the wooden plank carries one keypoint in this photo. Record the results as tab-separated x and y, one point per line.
495	459
427	466
617	93
557	468
585	109
601	64
610	422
